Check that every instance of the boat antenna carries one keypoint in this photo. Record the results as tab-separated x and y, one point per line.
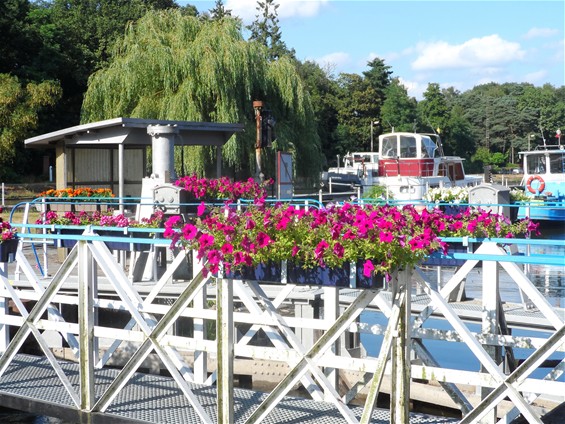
430	124
542	136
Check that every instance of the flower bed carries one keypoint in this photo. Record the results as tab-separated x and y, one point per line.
84	199
82	192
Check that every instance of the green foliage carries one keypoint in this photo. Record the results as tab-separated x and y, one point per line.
399	110
486	157
19	108
433	110
171	66
323	92
378	192
266	31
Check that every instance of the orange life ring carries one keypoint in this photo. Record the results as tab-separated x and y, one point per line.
541	184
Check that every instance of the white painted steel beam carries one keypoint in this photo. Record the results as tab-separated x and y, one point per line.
308	361
386	346
86	288
225	355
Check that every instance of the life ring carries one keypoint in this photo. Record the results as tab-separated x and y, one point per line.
541	186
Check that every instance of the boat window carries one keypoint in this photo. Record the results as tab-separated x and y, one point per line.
429	148
557	163
407	147
536	164
389	146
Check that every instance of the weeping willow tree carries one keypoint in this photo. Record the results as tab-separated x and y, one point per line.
170	66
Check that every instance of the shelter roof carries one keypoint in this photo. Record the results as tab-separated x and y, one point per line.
133	132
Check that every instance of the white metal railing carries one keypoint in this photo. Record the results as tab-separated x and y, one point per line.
150	330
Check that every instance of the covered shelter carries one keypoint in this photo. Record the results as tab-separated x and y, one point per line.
112	153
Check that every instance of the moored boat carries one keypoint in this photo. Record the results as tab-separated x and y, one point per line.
544	183
407	165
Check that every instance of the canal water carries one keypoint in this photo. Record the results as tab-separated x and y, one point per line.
550	280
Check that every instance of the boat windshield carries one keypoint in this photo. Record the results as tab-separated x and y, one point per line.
407	146
429	148
557	163
388	147
535	164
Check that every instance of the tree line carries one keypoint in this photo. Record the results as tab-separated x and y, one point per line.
66	62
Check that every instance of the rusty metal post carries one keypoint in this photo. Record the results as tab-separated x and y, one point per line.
258	106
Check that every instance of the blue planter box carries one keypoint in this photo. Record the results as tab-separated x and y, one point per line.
318	276
269	272
436	259
8	248
68	243
115	245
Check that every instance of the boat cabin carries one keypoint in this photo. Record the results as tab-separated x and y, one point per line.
416	155
407	154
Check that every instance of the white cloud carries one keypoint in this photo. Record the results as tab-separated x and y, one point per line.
538	77
414	88
475	53
332	61
247	9
540	32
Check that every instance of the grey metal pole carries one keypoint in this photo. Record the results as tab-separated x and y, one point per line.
163	145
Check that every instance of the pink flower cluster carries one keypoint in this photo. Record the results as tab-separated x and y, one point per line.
107	219
6	231
223	188
383	237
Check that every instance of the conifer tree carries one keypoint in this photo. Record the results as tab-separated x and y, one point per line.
266	31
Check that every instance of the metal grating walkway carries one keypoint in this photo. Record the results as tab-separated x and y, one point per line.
30	384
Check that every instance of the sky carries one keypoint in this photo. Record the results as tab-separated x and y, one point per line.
453	43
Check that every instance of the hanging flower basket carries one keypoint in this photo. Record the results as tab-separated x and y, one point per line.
7	249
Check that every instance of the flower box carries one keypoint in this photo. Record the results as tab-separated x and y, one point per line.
318	276
68	243
436	259
8	248
115	245
140	246
452	209
269	273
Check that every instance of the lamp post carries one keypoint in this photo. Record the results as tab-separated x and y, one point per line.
529	139
559	137
373	123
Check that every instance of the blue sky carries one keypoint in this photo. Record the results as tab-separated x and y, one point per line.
452	43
